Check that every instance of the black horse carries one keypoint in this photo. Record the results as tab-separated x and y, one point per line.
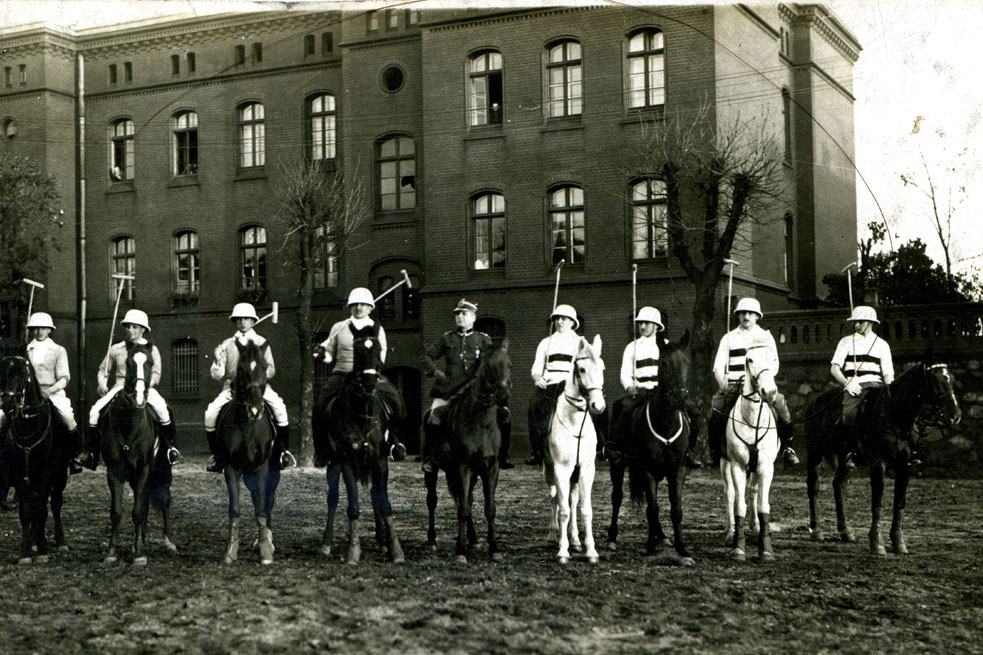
886	436
469	450
129	447
351	430
245	431
34	460
654	449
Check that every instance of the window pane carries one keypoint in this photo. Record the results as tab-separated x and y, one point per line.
637	43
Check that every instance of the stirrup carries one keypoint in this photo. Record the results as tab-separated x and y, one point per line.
74	467
850	461
213	466
398	452
173	455
790	458
287	460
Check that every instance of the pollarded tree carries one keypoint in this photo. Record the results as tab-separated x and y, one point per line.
318	211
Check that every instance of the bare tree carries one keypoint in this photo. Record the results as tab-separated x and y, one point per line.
720	179
319	211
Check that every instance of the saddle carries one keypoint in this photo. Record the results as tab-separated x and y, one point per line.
228	407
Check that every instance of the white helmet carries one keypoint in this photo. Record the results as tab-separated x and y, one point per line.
137	317
243	310
568	312
40	319
361	296
650	315
749	305
863	313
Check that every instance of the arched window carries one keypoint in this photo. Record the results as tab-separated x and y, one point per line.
321	122
567	236
187	263
325	265
787	115
649	235
401	305
789	249
488	226
493	327
397	174
252	257
184	143
185	367
485	88
121	157
646	69
252	135
564	80
123	253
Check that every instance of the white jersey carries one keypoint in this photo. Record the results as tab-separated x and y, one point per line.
554	356
640	363
865	357
732	351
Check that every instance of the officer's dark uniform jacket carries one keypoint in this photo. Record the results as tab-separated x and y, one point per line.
462	352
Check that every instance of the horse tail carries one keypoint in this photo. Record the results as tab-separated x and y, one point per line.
636	481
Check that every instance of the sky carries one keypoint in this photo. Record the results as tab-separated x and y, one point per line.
916	88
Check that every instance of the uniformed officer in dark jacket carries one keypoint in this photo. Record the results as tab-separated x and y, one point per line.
461	350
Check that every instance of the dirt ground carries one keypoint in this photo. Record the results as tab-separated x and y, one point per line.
815	598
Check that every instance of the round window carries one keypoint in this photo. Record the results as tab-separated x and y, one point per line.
392	78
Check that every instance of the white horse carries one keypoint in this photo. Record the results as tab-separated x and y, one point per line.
569	465
752	447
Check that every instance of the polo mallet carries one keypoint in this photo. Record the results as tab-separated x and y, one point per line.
119	293
730	286
274	314
849	280
634	314
405	280
30	303
556	295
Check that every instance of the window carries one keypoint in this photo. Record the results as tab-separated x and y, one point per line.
385	307
325	263
646	69
187	263
252	136
321	118
23	74
564	80
372	21
308	45
252	251
392	19
789	249
9	129
240	57
485	93
488	221
112	73
185	366
185	143
257	53
392	78
787	115
121	157
401	305
321	370
175	65
649	236
327	43
413	17
567	224
189	60
397	174
785	43
128	71
7	77
493	327
123	252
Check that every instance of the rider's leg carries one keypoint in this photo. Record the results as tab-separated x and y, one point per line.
432	434
167	433
279	408
534	419
75	442
504	419
717	424
218	460
786	433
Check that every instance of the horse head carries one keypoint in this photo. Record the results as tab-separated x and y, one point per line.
139	367
366	358
16	383
494	374
941	396
588	374
250	380
760	366
674	365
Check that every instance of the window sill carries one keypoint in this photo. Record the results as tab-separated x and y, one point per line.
325	165
635	114
478	132
183	180
394	217
563	123
255	173
488	272
122	186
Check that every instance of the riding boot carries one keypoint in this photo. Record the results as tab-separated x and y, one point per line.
693	412
785	435
716	427
287	459
168	440
431	443
77	444
505	428
217	462
89	457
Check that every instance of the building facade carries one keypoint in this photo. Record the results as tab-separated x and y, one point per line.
492	144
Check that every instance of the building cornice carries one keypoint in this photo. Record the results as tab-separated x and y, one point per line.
368	44
822	22
511	16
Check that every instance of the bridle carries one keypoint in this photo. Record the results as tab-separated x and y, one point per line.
26	442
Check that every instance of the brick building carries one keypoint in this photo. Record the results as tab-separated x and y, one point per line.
492	143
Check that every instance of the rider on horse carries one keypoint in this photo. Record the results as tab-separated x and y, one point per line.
462	350
224	370
50	362
728	369
550	369
135	325
640	379
339	349
861	361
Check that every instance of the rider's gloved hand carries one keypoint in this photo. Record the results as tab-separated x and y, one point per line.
853	387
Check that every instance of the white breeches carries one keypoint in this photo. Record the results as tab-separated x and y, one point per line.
62	405
272	398
154	399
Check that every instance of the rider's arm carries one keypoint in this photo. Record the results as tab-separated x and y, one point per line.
837	373
383	346
627	373
155	371
432	354
887	363
330	345
770	340
539	364
218	365
720	363
102	375
270	365
62	376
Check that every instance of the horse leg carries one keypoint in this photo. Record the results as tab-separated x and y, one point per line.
562	501
812	486
674	482
654	542
39	518
57	502
730	499
903	474
752	490
384	512
839	484
232	477
332	475
258	492
161	497
553	527
25	513
115	515
573	528
141	508
766	471
489	483
430	481
876	495
617	472
354	543
740	510
265	540
463	513
472	533
587	473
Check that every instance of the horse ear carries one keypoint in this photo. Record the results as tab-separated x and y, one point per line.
929	356
684	340
505	344
597	345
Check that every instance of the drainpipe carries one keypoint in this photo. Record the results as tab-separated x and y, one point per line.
81	367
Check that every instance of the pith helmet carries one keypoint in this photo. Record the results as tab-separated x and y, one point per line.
650	315
361	296
243	310
465	306
863	313
137	317
568	312
749	305
41	319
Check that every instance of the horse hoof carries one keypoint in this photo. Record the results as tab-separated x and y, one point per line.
63	548
352	562
140	561
879	550
228	560
461	559
847	537
594	560
399	560
738	555
111	559
687	561
611	545
497	557
766	556
899	549
326	551
26	560
432	546
41	559
816	535
563	560
266	562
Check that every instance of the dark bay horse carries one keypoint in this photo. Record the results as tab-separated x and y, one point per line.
129	448
655	449
351	429
245	430
34	459
469	450
886	436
